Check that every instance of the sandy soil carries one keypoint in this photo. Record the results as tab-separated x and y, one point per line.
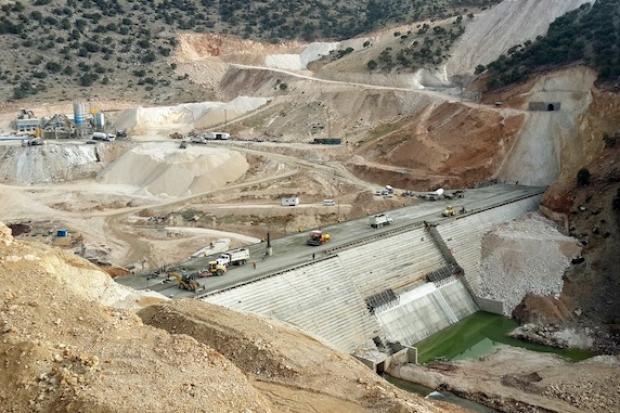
537	383
71	344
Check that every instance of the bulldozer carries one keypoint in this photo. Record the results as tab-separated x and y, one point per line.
449	212
318	238
213	269
186	281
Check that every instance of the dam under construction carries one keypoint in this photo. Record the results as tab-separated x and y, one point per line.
369	291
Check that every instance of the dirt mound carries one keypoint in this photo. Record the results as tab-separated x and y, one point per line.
183	118
271	353
163	168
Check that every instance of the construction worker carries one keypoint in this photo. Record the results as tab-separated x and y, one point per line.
313	255
254	263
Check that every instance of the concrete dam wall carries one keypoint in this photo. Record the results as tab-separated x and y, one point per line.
399	288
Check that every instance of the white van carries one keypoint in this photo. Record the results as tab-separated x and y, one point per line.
329	202
290	201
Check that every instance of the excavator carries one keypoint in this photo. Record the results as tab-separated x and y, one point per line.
186	281
213	269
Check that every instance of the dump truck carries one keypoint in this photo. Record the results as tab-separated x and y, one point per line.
380	220
214	269
236	257
317	238
448	212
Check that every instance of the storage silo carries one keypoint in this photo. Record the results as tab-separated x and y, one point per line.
99	120
79	111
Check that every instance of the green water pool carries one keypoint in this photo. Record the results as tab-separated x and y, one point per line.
478	335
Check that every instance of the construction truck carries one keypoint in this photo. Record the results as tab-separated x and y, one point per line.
449	212
199	139
186	281
214	269
237	257
176	135
32	142
380	220
318	238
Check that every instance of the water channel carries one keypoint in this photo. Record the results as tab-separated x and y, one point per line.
478	335
471	338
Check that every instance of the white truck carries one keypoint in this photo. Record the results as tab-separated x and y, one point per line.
380	220
199	139
217	136
236	257
100	136
290	201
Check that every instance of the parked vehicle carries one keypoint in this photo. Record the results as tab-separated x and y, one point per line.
378	192
218	136
32	142
236	257
329	202
380	220
290	201
100	136
199	139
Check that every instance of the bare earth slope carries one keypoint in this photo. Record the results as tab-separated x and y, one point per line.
62	349
498	29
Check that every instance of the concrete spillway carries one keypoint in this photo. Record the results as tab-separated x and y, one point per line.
388	289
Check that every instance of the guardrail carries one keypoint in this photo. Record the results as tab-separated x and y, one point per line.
332	252
266	276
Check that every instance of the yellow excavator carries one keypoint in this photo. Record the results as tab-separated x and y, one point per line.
186	281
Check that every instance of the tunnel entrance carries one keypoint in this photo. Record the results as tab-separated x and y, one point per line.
550	107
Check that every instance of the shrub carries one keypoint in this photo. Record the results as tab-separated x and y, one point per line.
610	141
53	67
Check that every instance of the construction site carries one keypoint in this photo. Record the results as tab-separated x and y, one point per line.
300	249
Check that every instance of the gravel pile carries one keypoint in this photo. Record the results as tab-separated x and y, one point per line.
524	256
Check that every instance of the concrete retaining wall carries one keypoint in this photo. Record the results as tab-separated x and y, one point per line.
489	305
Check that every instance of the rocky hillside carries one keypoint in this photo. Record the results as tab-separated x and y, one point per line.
71	342
588	35
90	48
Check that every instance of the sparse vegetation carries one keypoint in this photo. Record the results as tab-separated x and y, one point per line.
118	34
588	34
